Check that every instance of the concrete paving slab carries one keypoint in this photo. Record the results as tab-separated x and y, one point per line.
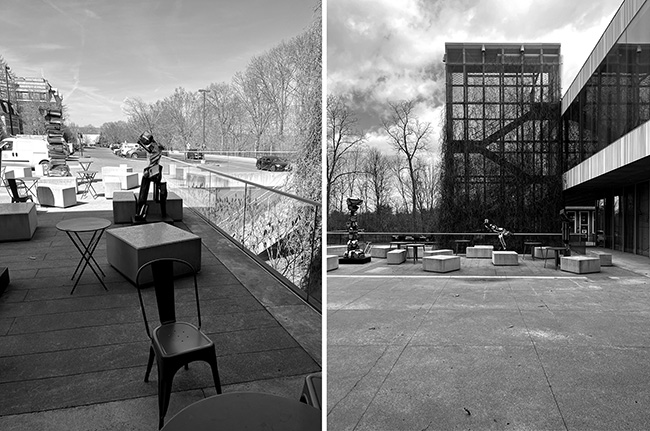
600	388
523	347
77	362
458	387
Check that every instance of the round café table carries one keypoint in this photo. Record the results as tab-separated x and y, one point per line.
73	227
238	411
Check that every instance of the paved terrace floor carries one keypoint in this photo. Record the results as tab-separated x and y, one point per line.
77	362
487	348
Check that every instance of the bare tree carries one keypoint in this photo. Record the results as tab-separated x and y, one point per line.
251	92
408	136
141	115
377	169
342	138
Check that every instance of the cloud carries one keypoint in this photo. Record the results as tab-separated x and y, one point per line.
382	50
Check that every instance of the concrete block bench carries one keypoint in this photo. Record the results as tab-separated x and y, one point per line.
441	252
379	251
124	206
17	172
338	250
580	264
17	221
111	186
127	180
441	263
396	257
116	170
332	262
479	252
505	258
60	181
128	248
52	195
540	253
605	258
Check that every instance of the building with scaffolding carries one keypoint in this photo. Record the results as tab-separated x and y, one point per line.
501	148
517	153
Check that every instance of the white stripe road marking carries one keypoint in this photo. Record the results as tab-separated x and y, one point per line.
503	277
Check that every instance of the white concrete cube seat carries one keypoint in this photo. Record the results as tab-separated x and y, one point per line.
379	251
479	252
128	248
18	221
605	258
127	180
338	250
580	264
540	253
60	181
52	195
111	186
395	257
124	206
441	263
116	170
17	172
505	258
332	262
441	252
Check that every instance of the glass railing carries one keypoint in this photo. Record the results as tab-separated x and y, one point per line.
281	230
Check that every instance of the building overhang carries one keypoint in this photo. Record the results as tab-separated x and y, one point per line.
624	162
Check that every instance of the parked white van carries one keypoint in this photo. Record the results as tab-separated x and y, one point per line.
24	152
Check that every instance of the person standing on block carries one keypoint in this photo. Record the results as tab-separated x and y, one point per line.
152	173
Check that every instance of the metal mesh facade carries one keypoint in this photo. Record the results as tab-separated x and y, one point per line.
501	150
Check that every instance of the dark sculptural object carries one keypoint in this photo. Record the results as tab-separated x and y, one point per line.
503	232
353	251
152	174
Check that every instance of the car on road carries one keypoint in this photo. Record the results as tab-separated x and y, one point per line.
125	148
137	153
272	163
194	154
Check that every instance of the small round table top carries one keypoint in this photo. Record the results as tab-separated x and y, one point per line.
237	411
83	224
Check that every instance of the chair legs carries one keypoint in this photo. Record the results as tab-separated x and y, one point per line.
166	377
149	364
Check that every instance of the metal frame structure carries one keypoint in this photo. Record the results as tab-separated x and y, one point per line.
502	156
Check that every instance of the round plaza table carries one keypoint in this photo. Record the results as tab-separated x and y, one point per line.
73	227
238	411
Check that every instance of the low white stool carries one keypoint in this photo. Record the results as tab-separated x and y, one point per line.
441	263
395	257
379	251
479	252
505	258
332	262
580	264
441	252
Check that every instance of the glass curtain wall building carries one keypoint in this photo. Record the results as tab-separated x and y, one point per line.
501	150
606	132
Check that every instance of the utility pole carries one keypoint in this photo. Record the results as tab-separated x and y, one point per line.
202	90
11	123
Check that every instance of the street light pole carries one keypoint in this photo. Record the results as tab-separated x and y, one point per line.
11	123
202	90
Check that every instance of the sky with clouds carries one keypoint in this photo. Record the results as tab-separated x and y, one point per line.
387	50
99	52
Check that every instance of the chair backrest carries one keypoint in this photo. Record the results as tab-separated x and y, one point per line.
162	271
14	186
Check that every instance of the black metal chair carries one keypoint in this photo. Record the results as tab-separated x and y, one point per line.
17	190
174	344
